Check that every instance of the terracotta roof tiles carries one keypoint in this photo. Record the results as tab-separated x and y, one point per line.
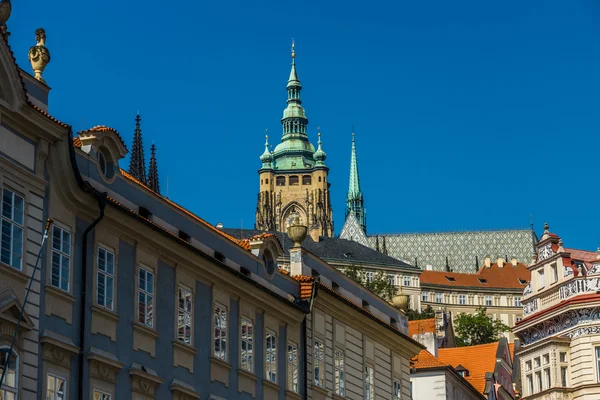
102	128
425	360
421	326
507	277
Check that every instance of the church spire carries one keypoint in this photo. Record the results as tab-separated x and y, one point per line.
137	163
153	171
355	202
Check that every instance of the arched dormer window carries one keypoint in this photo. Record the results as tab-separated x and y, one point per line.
306	179
10	384
280	181
269	261
294	180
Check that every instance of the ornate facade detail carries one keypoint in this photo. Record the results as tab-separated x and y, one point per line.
578	286
527	290
530	307
103	365
595	270
568	271
545	252
39	55
144	380
558	324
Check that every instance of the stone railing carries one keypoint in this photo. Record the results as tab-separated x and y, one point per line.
530	307
550	298
579	286
573	287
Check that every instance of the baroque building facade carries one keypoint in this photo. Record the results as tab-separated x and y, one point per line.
293	177
560	332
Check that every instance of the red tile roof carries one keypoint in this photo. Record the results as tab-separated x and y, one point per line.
101	128
583	255
306	286
77	142
246	243
476	359
426	360
421	326
506	277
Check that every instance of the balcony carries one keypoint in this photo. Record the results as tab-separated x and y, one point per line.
571	288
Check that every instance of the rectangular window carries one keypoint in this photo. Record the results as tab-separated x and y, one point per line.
184	316
61	258
406	281
530	384
397	390
369	276
319	354
536	362
247	344
391	279
563	377
518	319
528	366
57	387
220	339
538	381
488	300
369	383
340	378
547	379
13	211
541	278
462	299
438	298
517	301
554	273
271	357
105	278
292	370
546	359
146	297
562	357
425	296
598	362
99	395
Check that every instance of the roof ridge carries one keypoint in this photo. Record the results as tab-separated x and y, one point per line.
449	231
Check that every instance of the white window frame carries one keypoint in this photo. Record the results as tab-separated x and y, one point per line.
369	383
247	342
185	315
425	295
406	281
292	365
541	279
547	378
102	395
9	389
488	301
220	316
339	362
530	384
15	259
64	257
271	356
105	276
462	299
517	301
564	382
597	351
397	390
147	293
439	297
370	276
319	363
54	396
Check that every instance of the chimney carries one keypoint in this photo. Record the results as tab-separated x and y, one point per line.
488	261
314	234
500	262
219	225
429	267
514	262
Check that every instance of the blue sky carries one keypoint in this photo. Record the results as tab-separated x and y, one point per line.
469	115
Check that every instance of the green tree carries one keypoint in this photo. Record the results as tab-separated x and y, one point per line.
378	285
427	313
478	328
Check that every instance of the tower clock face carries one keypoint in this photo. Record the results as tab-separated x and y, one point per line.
545	252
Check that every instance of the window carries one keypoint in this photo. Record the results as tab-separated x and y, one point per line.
391	278
425	296
105	278
564	381
562	357
406	281
369	384
247	344
57	388
319	354
462	299
369	276
438	298
481	280
306	180
488	300
517	301
538	380
519	319
9	387
528	366
145	297
546	359
340	378
397	390
98	395
530	384
554	273
547	379
541	278
61	258
102	162
11	249
536	362
292	370
598	362
294	180
184	316
220	339
271	357
450	278
280	181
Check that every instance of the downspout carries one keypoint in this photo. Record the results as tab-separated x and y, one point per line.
310	307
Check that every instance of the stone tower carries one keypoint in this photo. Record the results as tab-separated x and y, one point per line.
294	178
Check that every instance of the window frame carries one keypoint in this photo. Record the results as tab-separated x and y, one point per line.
517	301
248	357
62	255
187	315
292	367
369	382
491	301
397	390
147	294
13	224
104	395
106	276
597	351
319	362
271	356
10	389
406	281
439	297
339	372
221	353
55	376
425	295
462	299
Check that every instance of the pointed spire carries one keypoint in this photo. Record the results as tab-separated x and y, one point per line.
153	171
354	200
267	157
320	155
293	74
137	163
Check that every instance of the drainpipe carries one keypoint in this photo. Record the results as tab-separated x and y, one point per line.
84	268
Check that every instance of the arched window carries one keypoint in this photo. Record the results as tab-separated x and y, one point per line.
294	180
261	181
11	379
280	181
319	179
269	262
267	181
306	179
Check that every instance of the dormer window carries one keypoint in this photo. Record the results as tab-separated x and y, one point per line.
462	371
450	278
269	262
482	280
102	162
522	281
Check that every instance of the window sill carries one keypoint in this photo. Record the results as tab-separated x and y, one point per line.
184	347
320	389
145	330
271	385
338	397
105	313
15	273
66	296
290	395
247	374
220	362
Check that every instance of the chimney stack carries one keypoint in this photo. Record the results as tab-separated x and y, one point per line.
500	262
488	261
514	262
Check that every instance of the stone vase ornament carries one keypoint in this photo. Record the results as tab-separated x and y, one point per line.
297	232
39	56
400	301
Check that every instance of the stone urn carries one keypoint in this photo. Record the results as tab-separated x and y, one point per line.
297	232
400	301
39	56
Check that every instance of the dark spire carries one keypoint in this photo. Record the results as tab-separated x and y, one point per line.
476	264
137	163
447	265
153	171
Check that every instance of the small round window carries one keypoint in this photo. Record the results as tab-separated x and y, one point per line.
102	163
269	263
105	164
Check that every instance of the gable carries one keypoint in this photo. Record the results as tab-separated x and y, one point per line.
12	93
11	307
353	231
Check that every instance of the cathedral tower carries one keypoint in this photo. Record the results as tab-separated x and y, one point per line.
294	178
355	203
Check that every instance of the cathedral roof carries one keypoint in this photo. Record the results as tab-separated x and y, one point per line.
330	249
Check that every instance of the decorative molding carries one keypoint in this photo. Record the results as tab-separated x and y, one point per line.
595	270
58	349
103	365
183	391
588	330
556	325
144	380
578	286
530	307
527	289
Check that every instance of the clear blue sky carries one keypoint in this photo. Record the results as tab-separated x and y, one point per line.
469	115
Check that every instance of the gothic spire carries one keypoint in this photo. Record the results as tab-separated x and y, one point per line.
137	163
355	202
153	171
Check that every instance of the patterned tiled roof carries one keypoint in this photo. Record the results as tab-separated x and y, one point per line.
461	248
476	359
421	326
507	277
353	231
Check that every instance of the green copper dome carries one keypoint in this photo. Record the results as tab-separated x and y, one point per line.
267	157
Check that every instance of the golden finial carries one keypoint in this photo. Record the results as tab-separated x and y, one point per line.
293	51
